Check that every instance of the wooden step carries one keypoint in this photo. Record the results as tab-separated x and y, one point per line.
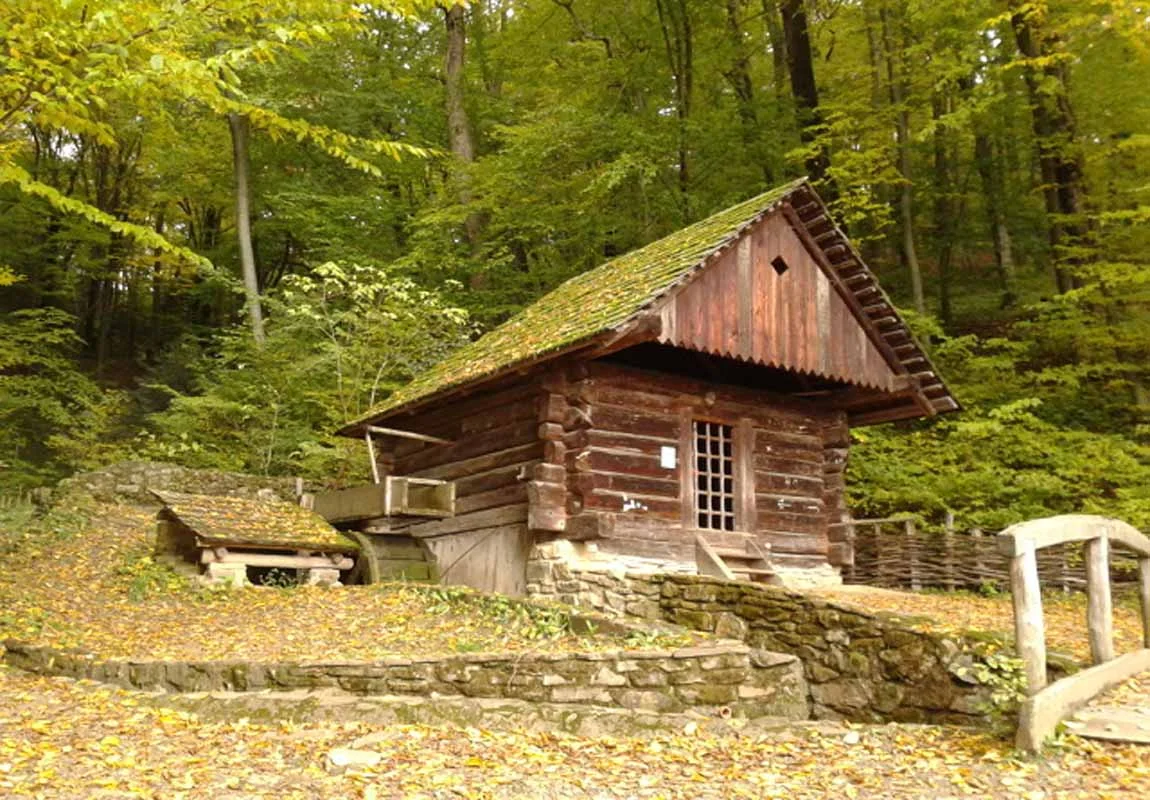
730	552
751	571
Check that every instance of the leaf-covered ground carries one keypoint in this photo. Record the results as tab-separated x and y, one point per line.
1064	614
68	740
93	586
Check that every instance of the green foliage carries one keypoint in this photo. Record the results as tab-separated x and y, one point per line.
1004	676
339	338
116	190
44	397
526	620
143	577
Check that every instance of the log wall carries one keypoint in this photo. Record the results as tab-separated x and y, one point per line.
617	420
494	448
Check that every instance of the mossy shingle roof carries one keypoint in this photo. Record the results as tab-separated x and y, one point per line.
269	524
586	306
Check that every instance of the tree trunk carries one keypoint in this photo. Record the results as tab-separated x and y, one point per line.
675	23
1054	131
800	65
992	192
739	76
896	78
241	162
458	124
944	207
778	43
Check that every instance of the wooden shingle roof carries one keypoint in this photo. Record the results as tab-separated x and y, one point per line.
272	525
598	304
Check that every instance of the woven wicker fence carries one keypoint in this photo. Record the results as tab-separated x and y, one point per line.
898	554
12	500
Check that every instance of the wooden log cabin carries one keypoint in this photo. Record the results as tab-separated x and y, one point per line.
684	406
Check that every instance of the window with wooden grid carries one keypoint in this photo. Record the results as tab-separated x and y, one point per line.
714	476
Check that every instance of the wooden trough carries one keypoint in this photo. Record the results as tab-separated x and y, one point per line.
225	536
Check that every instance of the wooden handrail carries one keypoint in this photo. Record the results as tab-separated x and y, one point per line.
1046	706
1050	531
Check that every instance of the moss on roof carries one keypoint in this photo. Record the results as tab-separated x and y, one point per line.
585	306
254	523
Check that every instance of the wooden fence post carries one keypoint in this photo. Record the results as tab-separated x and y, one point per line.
1144	597
910	533
948	553
1029	633
979	562
1099	617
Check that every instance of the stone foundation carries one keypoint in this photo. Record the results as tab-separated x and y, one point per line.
858	666
721	679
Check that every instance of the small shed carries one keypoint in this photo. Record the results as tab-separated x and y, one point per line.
686	406
234	539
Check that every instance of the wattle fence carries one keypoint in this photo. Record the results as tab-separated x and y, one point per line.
899	553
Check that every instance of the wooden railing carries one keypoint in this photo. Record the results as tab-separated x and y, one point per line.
1046	706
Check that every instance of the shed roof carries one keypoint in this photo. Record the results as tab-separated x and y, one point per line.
237	521
598	304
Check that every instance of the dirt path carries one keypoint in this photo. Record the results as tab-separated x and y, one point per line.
60	739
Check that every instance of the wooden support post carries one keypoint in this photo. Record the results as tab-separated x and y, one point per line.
880	570
948	552
371	457
1099	617
979	562
1144	597
1029	634
744	468
910	534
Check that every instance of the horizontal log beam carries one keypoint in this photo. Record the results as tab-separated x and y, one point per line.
221	556
419	437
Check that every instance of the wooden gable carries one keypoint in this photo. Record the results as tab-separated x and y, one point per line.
767	299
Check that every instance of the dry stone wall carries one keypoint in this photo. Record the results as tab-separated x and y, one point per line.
724	678
131	482
858	666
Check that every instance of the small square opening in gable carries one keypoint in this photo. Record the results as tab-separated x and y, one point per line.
780	265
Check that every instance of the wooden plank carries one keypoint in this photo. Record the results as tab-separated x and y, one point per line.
1040	713
274	560
1029	631
483	463
488	518
518	432
511	494
744	446
635	421
359	502
1099	611
708	562
631	463
491	559
745	289
687	498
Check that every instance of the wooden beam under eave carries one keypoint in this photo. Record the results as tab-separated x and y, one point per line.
881	415
396	432
646	327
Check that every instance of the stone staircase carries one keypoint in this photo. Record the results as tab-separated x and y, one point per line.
734	556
